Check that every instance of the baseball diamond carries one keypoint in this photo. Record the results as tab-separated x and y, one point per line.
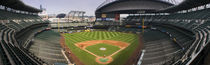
104	32
117	46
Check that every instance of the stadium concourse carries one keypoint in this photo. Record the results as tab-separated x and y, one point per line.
156	32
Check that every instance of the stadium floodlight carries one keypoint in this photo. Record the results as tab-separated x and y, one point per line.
61	15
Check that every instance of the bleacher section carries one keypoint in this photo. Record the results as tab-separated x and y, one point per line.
69	24
46	46
12	28
159	49
190	31
183	40
11	52
104	23
123	29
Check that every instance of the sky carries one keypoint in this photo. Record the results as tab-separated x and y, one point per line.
65	6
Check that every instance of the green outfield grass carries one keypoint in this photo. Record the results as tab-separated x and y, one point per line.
96	49
88	59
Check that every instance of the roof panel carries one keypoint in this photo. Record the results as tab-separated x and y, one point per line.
18	5
185	5
129	5
167	1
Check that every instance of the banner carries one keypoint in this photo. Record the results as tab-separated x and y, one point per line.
103	15
117	17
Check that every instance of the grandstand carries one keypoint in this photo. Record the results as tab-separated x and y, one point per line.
19	23
155	32
176	34
46	45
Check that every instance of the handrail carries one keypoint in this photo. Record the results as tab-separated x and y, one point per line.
184	57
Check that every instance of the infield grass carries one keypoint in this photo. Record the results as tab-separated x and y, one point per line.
109	49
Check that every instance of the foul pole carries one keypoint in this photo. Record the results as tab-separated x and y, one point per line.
143	25
59	25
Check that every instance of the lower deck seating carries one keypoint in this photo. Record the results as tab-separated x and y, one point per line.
70	24
11	53
107	23
123	29
28	36
159	48
195	23
47	47
182	39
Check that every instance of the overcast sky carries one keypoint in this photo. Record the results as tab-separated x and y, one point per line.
65	6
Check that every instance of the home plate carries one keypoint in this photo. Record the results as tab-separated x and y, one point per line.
103	49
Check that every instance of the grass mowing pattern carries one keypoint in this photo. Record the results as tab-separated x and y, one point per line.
88	59
96	49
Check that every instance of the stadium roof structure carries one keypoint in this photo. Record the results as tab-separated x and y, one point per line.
132	6
19	5
185	5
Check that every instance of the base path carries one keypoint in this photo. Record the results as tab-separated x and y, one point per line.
68	53
136	54
85	44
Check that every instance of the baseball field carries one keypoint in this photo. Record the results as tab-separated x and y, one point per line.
102	47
